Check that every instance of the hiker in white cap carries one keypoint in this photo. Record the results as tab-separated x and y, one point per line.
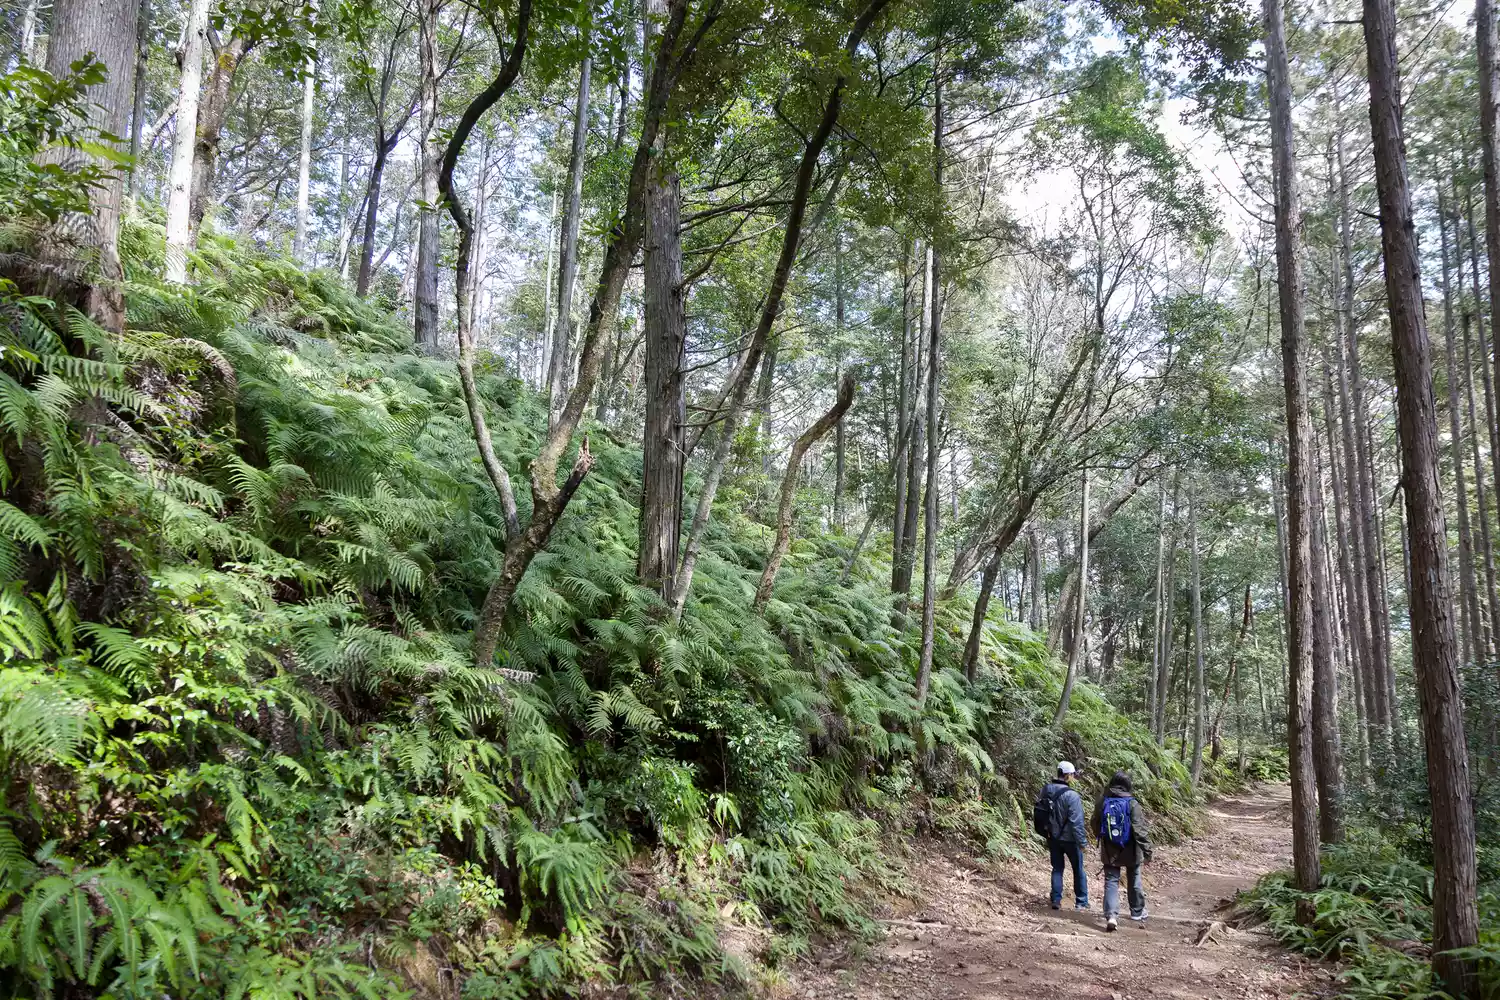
1058	816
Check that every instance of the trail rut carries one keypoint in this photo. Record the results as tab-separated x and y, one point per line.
970	935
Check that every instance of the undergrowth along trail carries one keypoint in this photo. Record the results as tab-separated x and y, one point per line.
967	934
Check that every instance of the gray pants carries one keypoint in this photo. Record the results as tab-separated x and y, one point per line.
1137	892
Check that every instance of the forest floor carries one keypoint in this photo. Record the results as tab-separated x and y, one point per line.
961	931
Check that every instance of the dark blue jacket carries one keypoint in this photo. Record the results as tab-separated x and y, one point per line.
1074	830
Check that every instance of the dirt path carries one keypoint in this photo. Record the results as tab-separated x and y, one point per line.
968	935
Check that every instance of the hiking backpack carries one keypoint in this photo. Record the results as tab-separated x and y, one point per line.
1115	825
1047	816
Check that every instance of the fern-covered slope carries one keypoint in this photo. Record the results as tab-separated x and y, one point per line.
246	752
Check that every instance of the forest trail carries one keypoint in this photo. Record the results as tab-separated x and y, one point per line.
967	935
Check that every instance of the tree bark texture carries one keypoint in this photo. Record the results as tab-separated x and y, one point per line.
934	439
903	423
213	111
1481	507
429	155
1354	610
105	29
1469	595
1489	83
1366	501
1486	550
562	330
138	108
1434	653
1327	749
666	406
1299	437
180	231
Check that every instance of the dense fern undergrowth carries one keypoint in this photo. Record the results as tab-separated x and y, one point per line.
1372	913
246	752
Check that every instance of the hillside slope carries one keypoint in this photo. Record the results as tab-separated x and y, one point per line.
246	752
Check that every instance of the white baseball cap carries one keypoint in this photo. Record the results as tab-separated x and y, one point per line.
1065	767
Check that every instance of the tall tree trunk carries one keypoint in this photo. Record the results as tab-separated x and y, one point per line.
1365	626
789	488
934	438
544	356
1169	588
763	406
26	48
1034	571
1366	500
838	431
666	405
1354	610
1231	683
346	223
1472	643
1001	544
429	153
914	466
906	570
1434	654
1153	687
562	333
1481	507
138	110
105	29
1486	550
1489	81
304	160
213	111
981	611
903	424
1080	605
610	375
1327	748
1200	678
372	218
1299	436
481	244
180	173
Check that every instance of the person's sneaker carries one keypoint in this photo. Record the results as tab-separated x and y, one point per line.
1140	918
1056	905
1110	924
1082	906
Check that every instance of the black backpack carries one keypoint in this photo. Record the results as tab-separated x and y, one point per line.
1047	816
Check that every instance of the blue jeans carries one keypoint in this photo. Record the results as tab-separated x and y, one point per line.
1137	892
1073	852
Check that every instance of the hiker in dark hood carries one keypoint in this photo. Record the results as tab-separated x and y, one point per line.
1058	816
1124	842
